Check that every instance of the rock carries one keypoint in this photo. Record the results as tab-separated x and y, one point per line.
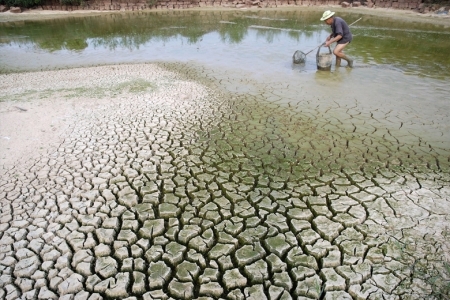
15	10
345	4
356	4
3	8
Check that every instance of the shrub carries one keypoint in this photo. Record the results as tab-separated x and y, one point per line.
71	2
21	3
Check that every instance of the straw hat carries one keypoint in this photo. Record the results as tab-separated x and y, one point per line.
326	15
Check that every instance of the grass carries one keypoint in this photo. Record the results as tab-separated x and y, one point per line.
136	86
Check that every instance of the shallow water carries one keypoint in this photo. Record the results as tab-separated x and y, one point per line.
400	67
266	39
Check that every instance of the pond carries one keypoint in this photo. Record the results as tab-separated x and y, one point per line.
400	66
286	181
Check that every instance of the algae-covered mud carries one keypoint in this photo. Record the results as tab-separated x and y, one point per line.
245	181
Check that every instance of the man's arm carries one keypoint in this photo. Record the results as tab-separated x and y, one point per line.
332	40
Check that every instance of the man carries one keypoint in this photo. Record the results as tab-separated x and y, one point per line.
340	34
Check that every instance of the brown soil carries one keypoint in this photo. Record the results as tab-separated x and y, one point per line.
406	15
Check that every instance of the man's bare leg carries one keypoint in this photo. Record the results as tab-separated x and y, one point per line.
338	51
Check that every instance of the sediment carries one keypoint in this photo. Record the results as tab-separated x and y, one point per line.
167	188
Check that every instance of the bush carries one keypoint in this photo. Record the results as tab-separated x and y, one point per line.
21	3
33	3
71	2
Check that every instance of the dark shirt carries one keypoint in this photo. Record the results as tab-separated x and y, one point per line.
339	27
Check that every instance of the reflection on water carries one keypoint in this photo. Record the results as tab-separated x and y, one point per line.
244	38
250	52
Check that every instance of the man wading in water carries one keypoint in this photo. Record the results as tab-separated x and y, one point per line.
340	34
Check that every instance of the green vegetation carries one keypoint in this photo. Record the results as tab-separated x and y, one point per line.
132	86
21	3
34	3
71	2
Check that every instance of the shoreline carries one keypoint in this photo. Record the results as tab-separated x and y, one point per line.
406	15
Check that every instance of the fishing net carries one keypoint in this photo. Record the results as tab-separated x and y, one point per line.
299	57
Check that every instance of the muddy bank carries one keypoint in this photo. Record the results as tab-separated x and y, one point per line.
159	186
405	15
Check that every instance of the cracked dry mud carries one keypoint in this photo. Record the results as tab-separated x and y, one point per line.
173	189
